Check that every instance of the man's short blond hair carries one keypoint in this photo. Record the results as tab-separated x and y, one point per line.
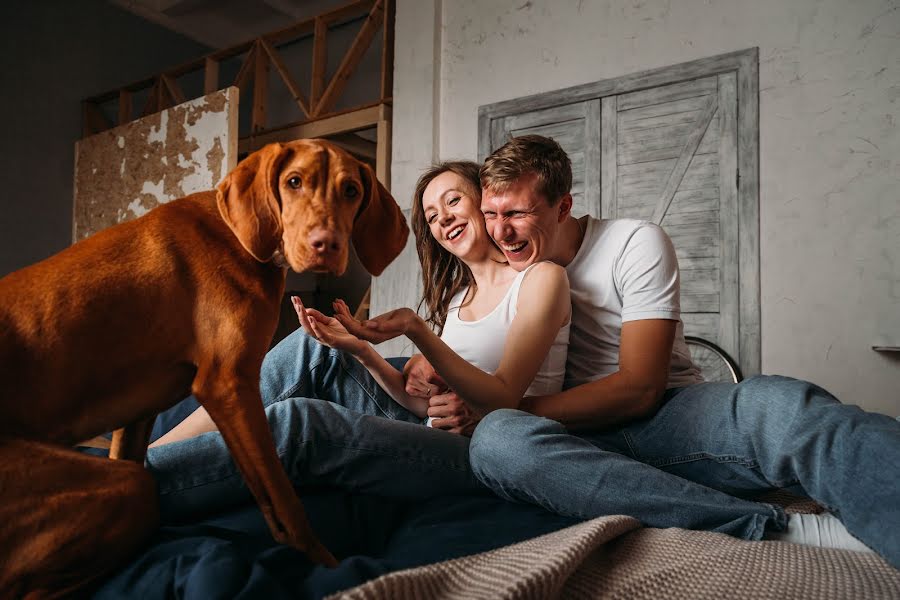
524	155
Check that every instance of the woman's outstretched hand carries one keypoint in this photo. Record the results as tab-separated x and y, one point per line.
380	329
327	330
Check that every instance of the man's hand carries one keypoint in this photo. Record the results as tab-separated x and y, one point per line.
379	329
450	413
421	378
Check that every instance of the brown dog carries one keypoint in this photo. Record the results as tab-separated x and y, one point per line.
124	324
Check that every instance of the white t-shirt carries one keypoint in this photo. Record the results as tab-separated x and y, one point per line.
481	342
625	270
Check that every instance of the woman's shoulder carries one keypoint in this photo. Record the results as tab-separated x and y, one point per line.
545	272
546	269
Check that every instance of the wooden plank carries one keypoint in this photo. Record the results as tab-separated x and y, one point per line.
695	303
609	137
656	144
286	77
319	61
356	145
152	104
729	324
568	134
651	78
349	121
351	59
125	101
691	231
593	158
243	74
260	89
173	90
387	49
698	262
748	203
653	168
668	93
704	325
351	11
383	152
538	118
672	107
684	160
667	132
690	218
661	121
210	75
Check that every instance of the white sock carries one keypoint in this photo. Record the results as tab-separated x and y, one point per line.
822	531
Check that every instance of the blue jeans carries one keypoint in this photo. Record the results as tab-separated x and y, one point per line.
708	444
332	425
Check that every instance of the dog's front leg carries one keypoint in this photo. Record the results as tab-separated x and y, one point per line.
235	405
130	442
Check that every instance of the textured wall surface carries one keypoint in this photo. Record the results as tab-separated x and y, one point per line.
829	143
122	173
53	54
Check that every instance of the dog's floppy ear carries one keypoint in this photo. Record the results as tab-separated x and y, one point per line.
380	231
248	201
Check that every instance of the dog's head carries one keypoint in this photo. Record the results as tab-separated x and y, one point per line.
305	201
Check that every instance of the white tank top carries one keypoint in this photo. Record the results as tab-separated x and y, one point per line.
481	342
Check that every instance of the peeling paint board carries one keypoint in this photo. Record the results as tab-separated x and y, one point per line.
124	172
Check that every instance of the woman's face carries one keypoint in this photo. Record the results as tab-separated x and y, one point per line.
454	216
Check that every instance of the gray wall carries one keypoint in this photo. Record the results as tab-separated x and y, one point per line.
829	141
52	55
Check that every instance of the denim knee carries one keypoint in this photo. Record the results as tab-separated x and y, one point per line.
504	441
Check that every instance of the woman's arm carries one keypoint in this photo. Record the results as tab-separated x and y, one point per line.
544	306
329	331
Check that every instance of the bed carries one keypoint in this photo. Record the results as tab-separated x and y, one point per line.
478	547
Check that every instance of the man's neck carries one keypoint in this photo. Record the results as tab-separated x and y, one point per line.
569	240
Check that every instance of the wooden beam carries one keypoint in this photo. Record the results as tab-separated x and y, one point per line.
292	86
92	119
152	104
125	98
210	75
387	50
260	90
173	89
356	144
342	14
350	121
351	59
319	61
383	154
246	69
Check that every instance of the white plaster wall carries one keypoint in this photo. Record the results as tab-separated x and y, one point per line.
829	142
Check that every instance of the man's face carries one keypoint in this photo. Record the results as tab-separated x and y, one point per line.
523	223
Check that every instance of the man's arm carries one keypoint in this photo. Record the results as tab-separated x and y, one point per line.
633	392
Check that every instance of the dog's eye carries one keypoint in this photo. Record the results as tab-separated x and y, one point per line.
294	182
351	191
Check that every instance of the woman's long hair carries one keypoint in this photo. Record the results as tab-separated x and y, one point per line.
443	274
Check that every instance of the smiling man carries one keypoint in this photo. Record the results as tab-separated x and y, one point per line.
636	430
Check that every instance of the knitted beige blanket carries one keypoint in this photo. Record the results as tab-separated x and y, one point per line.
613	557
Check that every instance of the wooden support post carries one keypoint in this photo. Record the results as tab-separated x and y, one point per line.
246	69
260	89
319	61
387	50
351	59
210	75
124	107
173	89
292	86
383	150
